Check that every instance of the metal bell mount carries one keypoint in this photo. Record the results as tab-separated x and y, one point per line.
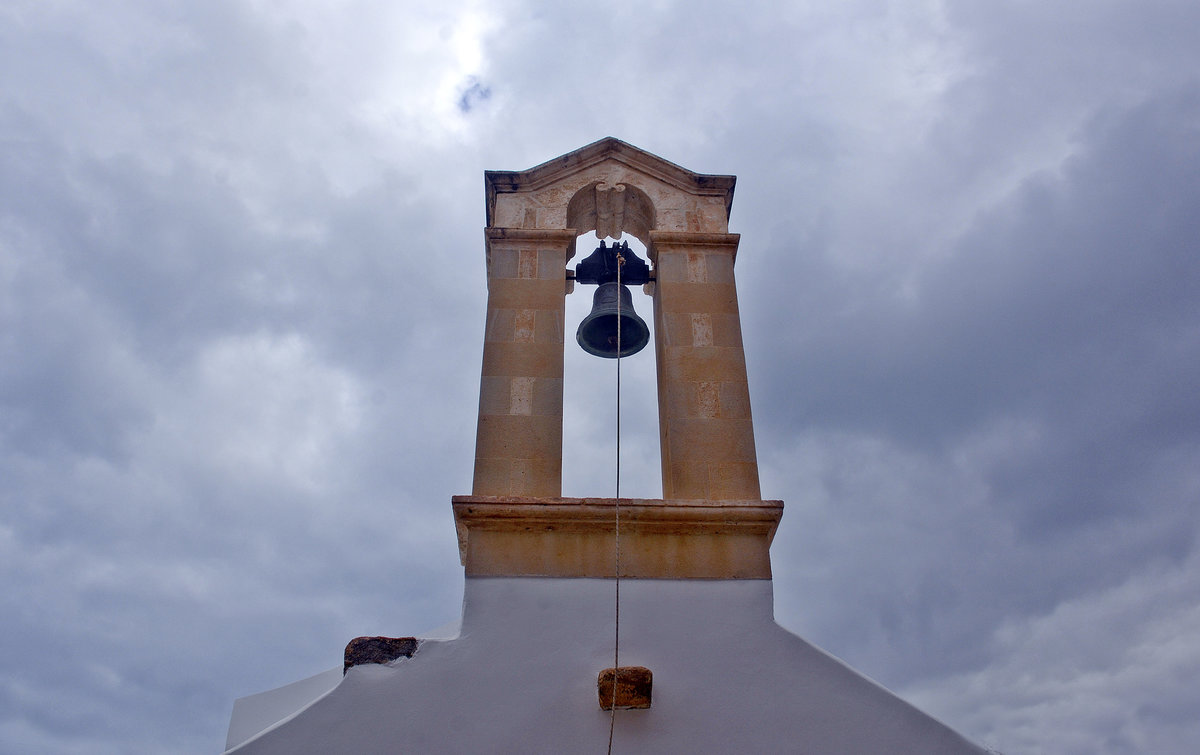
597	334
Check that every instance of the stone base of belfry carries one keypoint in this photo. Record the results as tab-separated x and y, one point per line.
580	537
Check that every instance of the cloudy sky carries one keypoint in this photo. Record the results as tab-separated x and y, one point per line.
241	320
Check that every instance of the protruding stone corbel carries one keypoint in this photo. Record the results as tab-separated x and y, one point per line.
364	650
633	685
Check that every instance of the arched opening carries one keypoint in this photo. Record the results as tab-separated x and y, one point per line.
590	398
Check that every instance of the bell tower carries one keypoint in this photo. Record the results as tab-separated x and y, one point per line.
533	665
711	522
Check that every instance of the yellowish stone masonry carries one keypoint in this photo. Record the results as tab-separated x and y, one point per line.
707	436
518	447
711	522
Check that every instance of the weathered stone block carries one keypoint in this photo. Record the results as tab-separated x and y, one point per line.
535	477
495	394
362	650
524	325
502	262
686	479
549	326
698	297
719	267
515	436
523	359
633	685
671	268
548	397
727	329
525	293
735	401
501	326
712	440
724	364
733	480
551	264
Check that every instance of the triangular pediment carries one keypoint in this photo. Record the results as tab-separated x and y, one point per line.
609	148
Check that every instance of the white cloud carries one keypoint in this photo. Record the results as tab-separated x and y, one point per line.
265	406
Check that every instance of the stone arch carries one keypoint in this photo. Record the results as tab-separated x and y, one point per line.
611	209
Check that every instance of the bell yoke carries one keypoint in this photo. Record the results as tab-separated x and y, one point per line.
612	269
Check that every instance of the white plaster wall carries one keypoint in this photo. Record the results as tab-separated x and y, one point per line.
521	677
255	713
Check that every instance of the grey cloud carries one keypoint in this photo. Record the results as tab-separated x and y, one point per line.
241	311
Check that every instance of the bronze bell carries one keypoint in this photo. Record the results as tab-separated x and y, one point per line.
597	333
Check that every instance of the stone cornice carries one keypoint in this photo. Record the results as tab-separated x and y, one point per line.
574	537
567	235
704	242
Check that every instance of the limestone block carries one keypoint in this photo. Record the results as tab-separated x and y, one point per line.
733	480
524	325
547	397
549	326
518	293
718	267
535	477
672	219
702	328
714	481
727	329
510	436
667	241
509	212
698	297
711	440
718	329
721	363
735	400
671	268
527	263
520	396
551	265
526	359
501	326
687	479
495	394
502	262
517	477
704	400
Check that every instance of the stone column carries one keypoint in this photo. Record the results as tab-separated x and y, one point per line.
518	446
707	436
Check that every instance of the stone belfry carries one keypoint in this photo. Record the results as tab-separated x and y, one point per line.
526	669
711	522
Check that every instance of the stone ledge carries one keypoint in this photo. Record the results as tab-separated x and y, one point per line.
683	241
506	536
